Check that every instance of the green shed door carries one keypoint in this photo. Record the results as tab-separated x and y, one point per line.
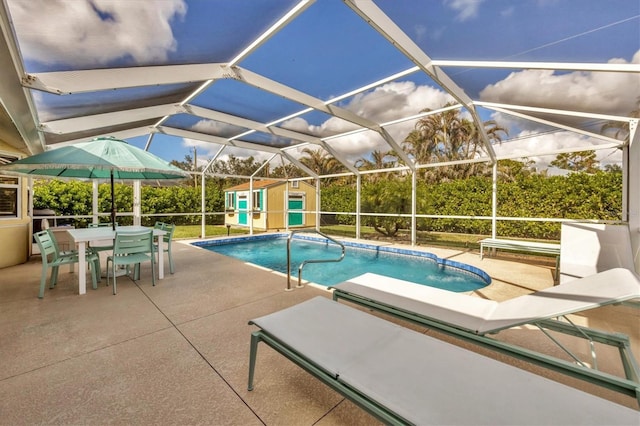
242	210
296	202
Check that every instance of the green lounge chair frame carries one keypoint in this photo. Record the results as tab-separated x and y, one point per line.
402	377
539	309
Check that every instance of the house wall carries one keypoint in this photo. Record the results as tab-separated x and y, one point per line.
278	204
310	202
258	218
15	233
275	204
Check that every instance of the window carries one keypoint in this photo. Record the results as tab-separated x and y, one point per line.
231	201
9	193
295	184
257	198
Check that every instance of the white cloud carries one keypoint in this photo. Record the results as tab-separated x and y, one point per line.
87	33
606	93
467	9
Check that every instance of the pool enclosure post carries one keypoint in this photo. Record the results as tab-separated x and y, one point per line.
250	206
494	198
318	201
203	206
358	195
414	193
286	206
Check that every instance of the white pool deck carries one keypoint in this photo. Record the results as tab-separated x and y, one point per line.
178	353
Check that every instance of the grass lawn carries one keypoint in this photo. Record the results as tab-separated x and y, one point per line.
193	231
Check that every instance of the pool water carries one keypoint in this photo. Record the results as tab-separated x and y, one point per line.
272	254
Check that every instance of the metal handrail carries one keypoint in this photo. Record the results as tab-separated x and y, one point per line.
308	261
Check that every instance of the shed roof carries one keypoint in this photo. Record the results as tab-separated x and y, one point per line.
258	184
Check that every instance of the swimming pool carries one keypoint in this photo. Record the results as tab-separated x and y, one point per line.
270	251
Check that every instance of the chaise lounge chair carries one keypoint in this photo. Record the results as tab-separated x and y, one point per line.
404	377
475	319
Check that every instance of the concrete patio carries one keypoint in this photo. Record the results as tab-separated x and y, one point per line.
177	353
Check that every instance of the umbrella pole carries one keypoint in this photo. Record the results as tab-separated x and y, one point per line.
113	204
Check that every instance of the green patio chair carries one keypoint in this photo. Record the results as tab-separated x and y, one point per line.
167	238
52	258
132	248
90	255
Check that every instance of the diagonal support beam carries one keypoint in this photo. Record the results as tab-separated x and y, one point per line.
97	121
375	17
287	92
68	82
190	134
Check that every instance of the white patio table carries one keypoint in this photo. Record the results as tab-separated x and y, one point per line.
81	236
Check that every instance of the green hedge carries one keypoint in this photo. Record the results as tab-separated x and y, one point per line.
575	196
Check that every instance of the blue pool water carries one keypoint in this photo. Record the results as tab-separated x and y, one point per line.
409	265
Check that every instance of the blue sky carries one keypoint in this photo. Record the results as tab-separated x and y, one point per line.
328	50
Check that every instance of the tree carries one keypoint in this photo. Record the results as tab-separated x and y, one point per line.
320	162
580	161
376	161
287	171
387	197
510	170
446	137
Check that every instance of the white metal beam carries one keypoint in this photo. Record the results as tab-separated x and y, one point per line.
215	139
560	151
560	66
96	121
298	164
292	94
281	23
287	92
375	17
122	134
558	125
570	113
249	124
14	99
79	81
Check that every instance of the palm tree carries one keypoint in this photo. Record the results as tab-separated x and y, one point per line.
445	137
376	161
320	162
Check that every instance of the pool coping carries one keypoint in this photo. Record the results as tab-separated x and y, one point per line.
441	262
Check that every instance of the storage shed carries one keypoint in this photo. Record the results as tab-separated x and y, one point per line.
274	205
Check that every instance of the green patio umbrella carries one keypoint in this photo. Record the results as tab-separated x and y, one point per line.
101	158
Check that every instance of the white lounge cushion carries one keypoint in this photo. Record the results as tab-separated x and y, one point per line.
458	309
483	316
425	380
